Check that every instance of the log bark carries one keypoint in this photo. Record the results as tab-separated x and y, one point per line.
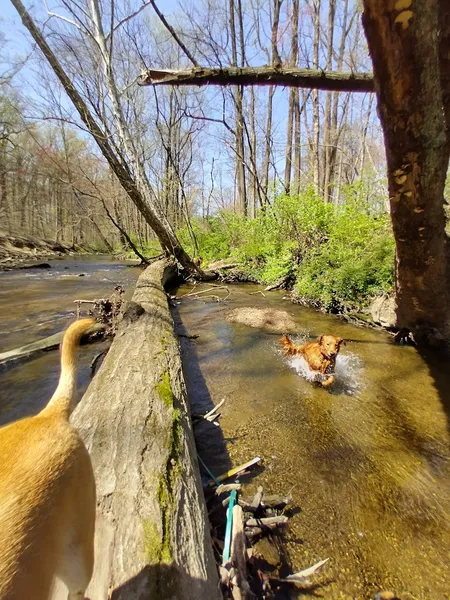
292	77
152	531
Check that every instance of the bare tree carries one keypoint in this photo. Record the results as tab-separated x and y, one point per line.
238	101
119	149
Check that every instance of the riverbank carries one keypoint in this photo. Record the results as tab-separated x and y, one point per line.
21	251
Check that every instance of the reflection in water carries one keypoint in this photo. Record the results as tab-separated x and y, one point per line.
368	460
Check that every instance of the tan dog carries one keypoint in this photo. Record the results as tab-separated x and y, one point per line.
320	355
47	495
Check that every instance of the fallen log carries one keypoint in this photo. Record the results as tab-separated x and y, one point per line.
152	532
48	343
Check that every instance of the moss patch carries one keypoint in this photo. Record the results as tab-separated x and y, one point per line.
153	542
164	390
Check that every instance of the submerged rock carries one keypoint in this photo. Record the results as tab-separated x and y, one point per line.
269	319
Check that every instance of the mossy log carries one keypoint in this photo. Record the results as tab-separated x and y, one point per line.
152	530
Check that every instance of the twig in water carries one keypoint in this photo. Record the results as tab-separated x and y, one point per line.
303	576
258	292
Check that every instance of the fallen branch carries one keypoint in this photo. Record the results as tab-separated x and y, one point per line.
188	337
288	76
49	343
210	289
257	498
278	285
94	362
254	532
267	521
258	292
213	413
227	487
241	588
106	310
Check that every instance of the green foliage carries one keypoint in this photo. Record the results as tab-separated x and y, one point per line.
150	248
335	253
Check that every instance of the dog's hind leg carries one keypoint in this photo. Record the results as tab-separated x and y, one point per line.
76	562
75	568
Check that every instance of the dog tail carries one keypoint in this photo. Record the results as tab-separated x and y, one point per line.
289	347
61	401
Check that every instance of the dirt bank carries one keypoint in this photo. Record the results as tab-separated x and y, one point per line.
18	251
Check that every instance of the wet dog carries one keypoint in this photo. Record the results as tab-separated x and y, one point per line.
320	355
47	495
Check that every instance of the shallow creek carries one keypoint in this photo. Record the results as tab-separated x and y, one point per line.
36	303
368	463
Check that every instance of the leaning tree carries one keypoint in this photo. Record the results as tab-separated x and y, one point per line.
92	82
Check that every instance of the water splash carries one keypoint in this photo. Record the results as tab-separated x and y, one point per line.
348	372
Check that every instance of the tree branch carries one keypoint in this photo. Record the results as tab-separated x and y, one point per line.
290	77
173	33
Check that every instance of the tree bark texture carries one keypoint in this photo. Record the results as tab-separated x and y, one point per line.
403	40
152	530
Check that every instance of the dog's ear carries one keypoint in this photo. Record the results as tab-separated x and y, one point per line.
341	341
320	340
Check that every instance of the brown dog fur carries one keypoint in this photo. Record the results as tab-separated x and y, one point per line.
47	495
320	355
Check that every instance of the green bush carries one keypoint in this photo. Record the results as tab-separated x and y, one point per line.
356	261
336	254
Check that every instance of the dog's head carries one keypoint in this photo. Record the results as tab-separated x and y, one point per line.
330	345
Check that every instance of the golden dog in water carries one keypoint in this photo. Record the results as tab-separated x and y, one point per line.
320	355
47	495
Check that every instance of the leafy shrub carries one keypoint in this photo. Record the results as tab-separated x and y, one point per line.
336	254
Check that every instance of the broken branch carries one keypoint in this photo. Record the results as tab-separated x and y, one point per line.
266	75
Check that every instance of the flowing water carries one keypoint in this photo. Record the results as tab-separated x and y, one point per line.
368	462
36	303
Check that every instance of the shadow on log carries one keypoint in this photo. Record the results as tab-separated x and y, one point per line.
151	516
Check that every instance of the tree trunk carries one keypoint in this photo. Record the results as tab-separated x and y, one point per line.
404	48
327	176
152	530
276	61
297	144
288	160
293	96
238	95
316	121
